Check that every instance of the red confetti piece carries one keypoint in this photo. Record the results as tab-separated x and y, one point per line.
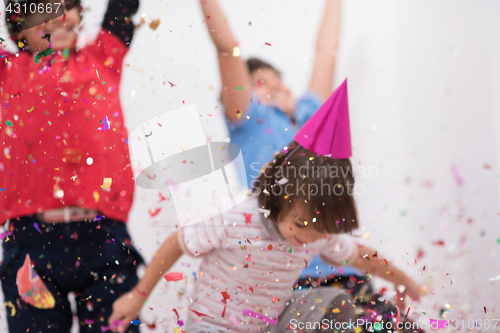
248	218
184	161
268	44
159	125
406	315
153	212
270	247
174	276
386	262
251	289
487	167
201	314
484	309
162	198
171	84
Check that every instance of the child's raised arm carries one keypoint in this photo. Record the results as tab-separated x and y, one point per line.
127	307
233	70
369	261
326	47
118	18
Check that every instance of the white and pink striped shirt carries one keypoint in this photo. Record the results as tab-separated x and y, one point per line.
246	258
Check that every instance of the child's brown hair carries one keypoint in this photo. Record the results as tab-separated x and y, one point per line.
325	184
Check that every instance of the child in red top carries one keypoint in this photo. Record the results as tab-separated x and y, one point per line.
65	158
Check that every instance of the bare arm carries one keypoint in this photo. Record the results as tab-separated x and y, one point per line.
233	69
326	47
127	307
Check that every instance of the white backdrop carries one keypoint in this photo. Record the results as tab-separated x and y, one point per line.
424	89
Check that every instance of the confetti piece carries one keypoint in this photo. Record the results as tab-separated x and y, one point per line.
484	309
116	322
105	125
290	251
266	212
246	312
9	123
42	54
251	289
496	278
238	88
270	247
135	322
174	276
96	196
32	289
153	212
162	198
407	312
184	162
154	25
454	171
200	314
269	44
107	183
3	189
398	316
248	218
35	225
99	217
32	108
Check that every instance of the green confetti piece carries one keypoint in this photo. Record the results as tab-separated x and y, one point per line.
290	251
9	123
498	240
239	88
345	262
40	256
3	40
42	54
32	108
65	54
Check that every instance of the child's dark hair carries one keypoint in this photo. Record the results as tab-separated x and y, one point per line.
323	184
16	22
254	64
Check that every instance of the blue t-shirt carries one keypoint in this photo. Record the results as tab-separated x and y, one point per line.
265	130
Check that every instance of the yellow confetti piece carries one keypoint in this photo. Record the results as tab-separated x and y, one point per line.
366	235
448	306
236	51
318	300
176	330
335	310
32	108
154	25
96	196
107	183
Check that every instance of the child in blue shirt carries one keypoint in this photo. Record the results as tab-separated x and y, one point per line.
269	121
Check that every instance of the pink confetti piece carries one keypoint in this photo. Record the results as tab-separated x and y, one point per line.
116	322
454	171
268	44
257	315
233	319
174	276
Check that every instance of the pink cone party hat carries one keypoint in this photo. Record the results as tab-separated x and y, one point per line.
327	132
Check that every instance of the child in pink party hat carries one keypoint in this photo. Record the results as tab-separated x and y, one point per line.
302	205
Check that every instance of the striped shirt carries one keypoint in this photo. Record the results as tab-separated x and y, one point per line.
247	260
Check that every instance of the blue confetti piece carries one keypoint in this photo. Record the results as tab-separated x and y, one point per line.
37	227
99	217
3	189
135	322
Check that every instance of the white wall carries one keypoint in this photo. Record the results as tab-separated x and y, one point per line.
424	85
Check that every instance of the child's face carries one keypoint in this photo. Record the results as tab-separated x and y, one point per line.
298	231
271	90
62	33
